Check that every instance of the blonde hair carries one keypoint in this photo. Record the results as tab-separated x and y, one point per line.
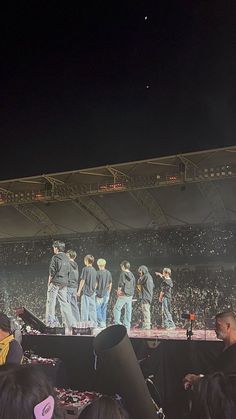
101	262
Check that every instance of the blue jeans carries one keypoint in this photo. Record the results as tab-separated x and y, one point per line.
101	307
55	293
167	320
88	309
72	300
124	301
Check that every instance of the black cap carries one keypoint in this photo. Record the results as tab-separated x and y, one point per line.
5	323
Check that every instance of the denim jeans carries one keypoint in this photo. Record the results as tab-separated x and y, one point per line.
124	301
72	300
146	315
55	293
101	307
167	320
88	309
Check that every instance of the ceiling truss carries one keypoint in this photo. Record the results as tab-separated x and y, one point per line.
89	206
146	200
37	216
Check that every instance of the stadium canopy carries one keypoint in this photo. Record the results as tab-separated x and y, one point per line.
183	189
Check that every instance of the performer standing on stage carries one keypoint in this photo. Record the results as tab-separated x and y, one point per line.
59	270
88	284
145	289
165	298
104	285
125	292
73	283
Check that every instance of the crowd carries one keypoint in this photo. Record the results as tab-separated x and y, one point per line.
201	286
202	290
183	241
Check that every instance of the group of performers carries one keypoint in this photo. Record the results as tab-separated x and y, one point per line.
66	286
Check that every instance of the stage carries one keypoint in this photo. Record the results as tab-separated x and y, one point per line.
165	354
176	334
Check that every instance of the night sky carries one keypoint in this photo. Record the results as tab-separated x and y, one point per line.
94	83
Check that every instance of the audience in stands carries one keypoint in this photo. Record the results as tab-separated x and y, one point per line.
182	241
204	291
204	280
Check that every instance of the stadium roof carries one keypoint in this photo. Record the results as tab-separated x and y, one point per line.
173	190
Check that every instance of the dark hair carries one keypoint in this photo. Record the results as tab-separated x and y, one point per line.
214	397
59	245
22	387
5	323
72	253
89	258
104	407
125	264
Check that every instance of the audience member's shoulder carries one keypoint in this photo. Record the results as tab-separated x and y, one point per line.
15	344
232	347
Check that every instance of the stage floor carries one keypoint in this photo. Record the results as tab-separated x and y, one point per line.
153	334
159	334
176	334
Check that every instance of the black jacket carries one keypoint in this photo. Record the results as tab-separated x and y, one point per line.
127	283
59	269
73	275
146	285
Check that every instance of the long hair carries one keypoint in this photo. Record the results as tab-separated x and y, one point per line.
21	389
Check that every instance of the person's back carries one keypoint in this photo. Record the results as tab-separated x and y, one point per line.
104	407
25	393
88	284
147	285
125	292
73	275
214	397
73	283
104	281
104	285
10	350
127	283
59	269
89	275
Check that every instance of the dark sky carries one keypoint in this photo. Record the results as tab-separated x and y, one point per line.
94	83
